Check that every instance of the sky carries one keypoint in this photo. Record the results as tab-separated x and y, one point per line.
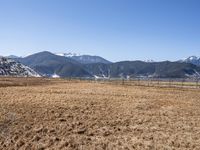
114	29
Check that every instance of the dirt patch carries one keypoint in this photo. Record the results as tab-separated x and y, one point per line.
87	115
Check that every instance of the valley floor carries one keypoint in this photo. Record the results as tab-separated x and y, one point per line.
60	114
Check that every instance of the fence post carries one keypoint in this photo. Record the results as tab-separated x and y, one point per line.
138	81
122	81
197	83
172	83
182	83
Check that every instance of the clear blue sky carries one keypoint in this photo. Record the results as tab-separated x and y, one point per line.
114	29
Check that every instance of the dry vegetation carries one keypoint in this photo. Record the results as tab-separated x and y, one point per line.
58	114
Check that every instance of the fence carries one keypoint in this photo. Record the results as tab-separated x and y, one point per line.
180	83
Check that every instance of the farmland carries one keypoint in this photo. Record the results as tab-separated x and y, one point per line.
70	114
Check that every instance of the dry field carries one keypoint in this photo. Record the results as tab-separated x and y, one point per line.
58	114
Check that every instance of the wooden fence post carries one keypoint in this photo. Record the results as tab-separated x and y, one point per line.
169	83
182	83
197	83
122	81
138	81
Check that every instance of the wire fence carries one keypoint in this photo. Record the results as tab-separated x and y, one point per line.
157	83
148	82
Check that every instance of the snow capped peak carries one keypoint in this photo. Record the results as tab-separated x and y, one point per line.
70	54
193	58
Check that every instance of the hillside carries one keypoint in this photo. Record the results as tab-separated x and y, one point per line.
10	67
48	64
143	69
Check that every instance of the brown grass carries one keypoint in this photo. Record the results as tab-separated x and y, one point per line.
60	114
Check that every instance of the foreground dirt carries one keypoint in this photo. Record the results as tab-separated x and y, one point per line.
85	115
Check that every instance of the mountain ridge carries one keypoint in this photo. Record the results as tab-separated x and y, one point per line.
84	59
192	59
50	65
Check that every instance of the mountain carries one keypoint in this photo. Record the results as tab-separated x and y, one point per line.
70	54
12	56
142	69
192	59
51	65
149	61
44	58
85	59
10	67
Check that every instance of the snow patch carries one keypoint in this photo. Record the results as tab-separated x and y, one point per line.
70	54
101	77
55	76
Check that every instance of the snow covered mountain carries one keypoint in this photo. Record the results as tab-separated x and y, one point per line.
193	60
9	67
85	59
70	54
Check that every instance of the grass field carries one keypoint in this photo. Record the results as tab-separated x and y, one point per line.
59	114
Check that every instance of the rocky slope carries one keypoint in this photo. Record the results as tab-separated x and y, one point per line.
9	67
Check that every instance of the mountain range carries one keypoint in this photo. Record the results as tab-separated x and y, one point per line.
73	65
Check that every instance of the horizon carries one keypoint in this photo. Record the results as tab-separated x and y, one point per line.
78	54
115	30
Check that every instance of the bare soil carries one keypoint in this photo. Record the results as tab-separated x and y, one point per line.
59	114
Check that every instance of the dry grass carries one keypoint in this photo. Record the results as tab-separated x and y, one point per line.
9	81
60	114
